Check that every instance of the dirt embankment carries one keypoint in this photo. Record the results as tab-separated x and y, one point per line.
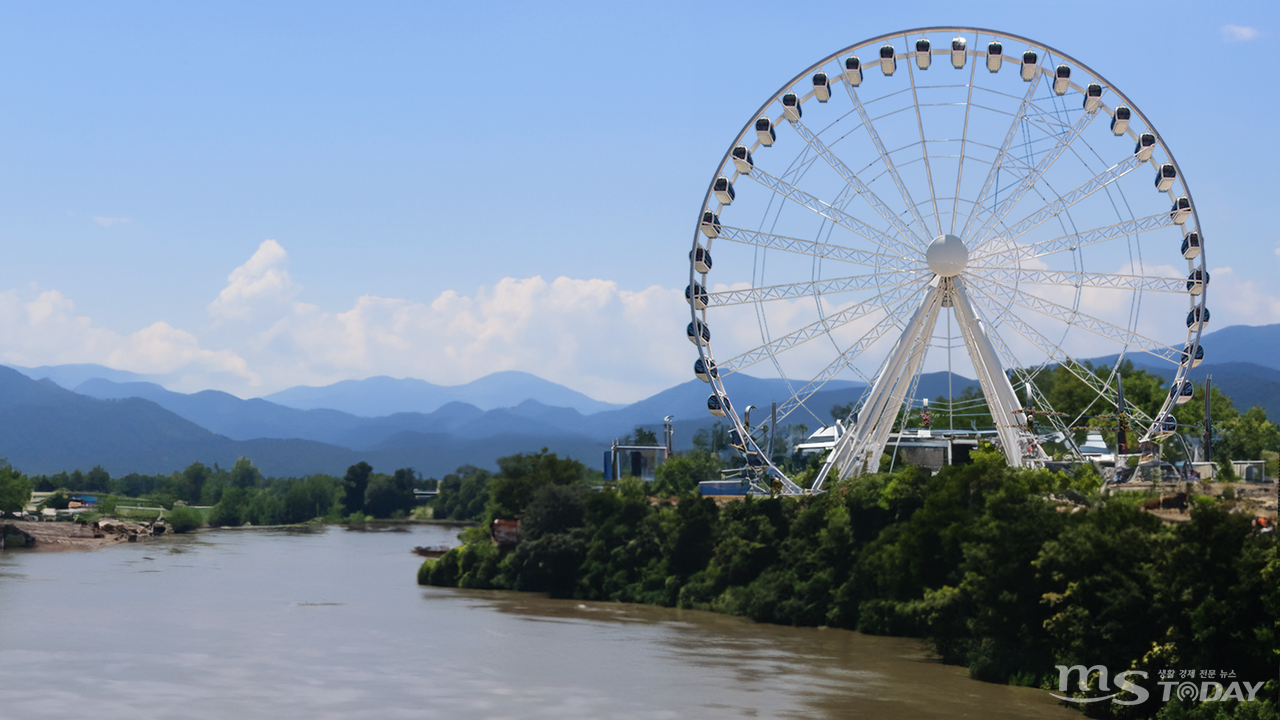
71	536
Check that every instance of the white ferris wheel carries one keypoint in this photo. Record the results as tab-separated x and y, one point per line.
943	199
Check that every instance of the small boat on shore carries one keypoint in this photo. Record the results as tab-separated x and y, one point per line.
433	551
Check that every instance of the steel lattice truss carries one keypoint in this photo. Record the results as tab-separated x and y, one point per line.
941	200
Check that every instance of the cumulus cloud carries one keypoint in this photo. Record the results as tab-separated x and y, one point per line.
43	328
587	334
1238	33
263	280
590	335
1247	302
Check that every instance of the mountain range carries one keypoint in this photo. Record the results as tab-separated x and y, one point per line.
76	416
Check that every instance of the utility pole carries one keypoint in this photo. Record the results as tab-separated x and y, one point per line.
1208	427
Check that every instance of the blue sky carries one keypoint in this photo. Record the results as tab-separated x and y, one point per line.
254	195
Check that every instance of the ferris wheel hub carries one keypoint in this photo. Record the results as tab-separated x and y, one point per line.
947	256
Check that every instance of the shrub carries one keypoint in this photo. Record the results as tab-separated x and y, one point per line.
184	519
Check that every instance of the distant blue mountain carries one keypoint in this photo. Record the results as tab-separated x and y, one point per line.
238	419
380	396
1259	345
257	418
45	428
69	376
252	419
1254	345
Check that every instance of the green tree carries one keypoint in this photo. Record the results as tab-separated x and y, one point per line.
681	473
702	440
244	474
645	437
231	508
549	564
15	490
354	485
311	497
463	494
842	412
719	437
195	477
519	477
97	480
58	501
1246	436
390	496
553	509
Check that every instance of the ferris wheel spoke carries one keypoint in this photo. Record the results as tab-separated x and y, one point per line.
832	213
824	251
844	360
820	327
888	161
1055	352
854	181
964	141
1063	203
924	148
882	281
999	161
1060	278
1078	319
1030	179
1018	253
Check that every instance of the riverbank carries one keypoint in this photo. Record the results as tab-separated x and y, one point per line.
998	569
73	536
45	536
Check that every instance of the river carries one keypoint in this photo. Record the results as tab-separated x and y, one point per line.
247	624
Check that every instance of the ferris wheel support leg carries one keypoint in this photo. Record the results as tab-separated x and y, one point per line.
860	448
1001	399
876	448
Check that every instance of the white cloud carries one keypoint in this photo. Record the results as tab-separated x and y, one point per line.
109	221
587	334
263	279
42	328
590	335
1238	33
1244	302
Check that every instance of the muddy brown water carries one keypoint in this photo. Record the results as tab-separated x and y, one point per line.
331	624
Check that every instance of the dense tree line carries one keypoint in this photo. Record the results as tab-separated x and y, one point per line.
980	559
237	495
